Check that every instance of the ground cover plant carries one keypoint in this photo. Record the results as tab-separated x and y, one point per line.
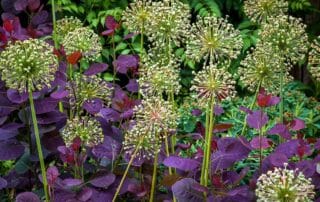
167	100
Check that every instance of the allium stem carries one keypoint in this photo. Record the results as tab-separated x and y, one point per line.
208	150
168	153
40	154
154	177
205	148
281	105
244	128
54	37
127	170
260	144
54	34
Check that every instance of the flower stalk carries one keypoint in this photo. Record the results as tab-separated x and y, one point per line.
154	177
127	170
38	142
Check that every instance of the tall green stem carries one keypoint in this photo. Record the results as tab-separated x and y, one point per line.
205	147
244	128
127	170
154	178
281	110
168	153
54	36
208	143
38	142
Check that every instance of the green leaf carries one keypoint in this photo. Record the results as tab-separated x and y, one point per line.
23	164
108	76
121	46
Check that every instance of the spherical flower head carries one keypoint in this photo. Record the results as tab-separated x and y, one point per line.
287	36
87	128
284	185
158	115
160	75
66	25
213	38
260	10
169	22
258	69
142	139
137	16
213	83
83	40
87	88
314	60
28	65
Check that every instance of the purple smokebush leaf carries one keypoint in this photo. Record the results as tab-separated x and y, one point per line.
230	150
297	124
103	181
85	194
96	68
257	119
109	114
70	182
52	175
21	5
183	191
27	197
110	149
132	86
218	110
181	163
280	129
288	148
3	183
257	144
125	62
93	106
45	105
16	97
10	149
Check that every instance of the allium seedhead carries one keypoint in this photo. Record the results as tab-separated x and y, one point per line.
87	128
158	115
159	75
287	36
66	25
137	16
84	40
169	22
260	10
144	139
257	68
87	88
314	60
28	65
215	83
284	185
213	38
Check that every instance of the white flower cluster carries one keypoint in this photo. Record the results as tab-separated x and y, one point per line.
159	74
259	69
87	88
213	82
260	10
284	185
213	39
155	120
287	36
66	25
163	21
28	65
314	60
84	40
87	128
